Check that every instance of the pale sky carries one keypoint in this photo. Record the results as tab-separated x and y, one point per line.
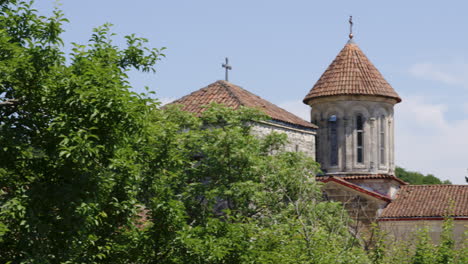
278	50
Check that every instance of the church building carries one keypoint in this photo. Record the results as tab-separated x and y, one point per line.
352	105
301	134
351	134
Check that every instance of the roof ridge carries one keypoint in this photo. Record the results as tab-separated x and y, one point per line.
230	87
365	176
227	87
234	96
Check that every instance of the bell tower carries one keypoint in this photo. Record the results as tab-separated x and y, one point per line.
352	104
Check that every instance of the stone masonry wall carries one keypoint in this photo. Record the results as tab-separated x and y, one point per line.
298	140
382	186
405	230
378	129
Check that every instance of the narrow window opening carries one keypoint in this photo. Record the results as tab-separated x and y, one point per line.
297	148
382	140
360	139
317	147
333	140
316	144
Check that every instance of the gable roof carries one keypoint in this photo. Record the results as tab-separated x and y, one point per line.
351	73
357	177
425	201
355	187
233	96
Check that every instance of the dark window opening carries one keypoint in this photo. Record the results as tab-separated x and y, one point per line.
333	140
316	145
360	139
382	140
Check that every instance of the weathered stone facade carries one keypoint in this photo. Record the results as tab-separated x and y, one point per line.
404	230
381	186
362	208
337	121
299	140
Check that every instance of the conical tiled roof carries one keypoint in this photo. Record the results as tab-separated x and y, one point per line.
351	73
233	96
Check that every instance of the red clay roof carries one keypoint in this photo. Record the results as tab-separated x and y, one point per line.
353	186
352	177
231	95
351	73
419	201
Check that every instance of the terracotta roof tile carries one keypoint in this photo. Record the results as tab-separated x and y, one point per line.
356	187
353	177
231	95
428	201
351	73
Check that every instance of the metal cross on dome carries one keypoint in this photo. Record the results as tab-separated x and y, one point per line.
227	67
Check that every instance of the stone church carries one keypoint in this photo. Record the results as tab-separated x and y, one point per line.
351	134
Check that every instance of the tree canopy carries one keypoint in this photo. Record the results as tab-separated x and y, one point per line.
70	162
91	172
417	178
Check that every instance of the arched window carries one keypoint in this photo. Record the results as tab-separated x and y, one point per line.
360	139
333	136
382	140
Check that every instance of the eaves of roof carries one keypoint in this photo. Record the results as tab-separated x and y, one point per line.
355	187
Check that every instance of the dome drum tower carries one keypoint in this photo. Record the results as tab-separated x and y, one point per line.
353	106
355	134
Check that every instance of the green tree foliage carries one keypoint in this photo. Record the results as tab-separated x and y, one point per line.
417	178
70	135
230	200
91	172
420	249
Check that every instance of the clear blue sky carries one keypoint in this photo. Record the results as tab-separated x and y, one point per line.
278	49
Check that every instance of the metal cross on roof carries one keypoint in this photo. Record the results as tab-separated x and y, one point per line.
350	27
228	67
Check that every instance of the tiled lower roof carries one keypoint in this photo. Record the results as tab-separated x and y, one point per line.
353	177
233	96
423	201
353	186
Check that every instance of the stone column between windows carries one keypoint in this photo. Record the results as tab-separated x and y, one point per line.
372	151
391	147
387	143
322	143
348	151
